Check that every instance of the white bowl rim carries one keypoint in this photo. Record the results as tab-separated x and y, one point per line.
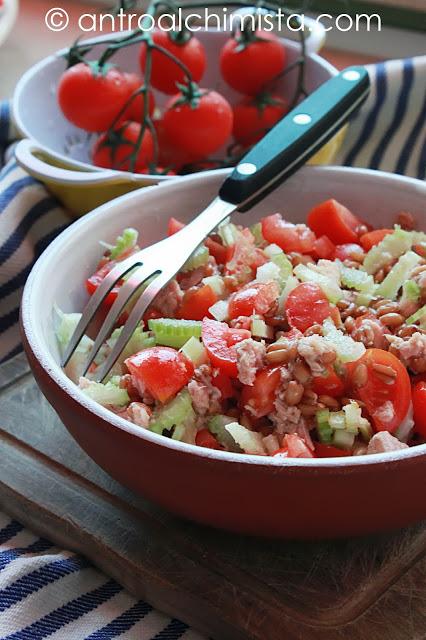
54	371
39	66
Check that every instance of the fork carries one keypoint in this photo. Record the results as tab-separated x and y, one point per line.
283	150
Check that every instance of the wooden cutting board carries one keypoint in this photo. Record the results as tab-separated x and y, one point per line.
229	587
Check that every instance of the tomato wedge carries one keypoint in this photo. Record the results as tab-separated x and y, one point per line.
328	451
387	390
306	305
197	302
258	399
370	239
332	219
419	407
206	439
288	236
329	384
162	370
219	341
217	250
224	383
255	297
324	248
95	280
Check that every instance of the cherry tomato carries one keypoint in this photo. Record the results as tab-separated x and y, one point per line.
95	280
306	305
419	408
219	341
247	66
387	399
332	219
197	302
92	99
206	439
224	383
258	399
165	73
253	117
135	110
255	297
174	225
169	154
112	150
241	257
350	251
288	236
198	128
330	384
324	248
370	239
162	370
328	451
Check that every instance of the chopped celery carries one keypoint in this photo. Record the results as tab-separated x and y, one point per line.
343	439
324	430
185	433
217	426
352	416
267	272
399	273
199	258
250	441
216	283
330	286
284	265
347	349
365	430
357	279
177	412
66	324
140	340
260	329
391	247
419	316
228	232
256	230
124	243
410	292
272	250
194	350
337	420
174	333
363	299
220	310
106	394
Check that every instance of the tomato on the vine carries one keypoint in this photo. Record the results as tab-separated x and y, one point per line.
135	110
91	97
165	72
253	117
112	149
197	121
249	61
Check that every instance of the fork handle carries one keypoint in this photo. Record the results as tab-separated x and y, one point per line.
297	137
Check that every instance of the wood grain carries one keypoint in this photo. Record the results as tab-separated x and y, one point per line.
227	586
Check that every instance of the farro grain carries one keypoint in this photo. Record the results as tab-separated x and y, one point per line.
384	370
387	307
279	356
330	403
293	393
361	229
360	375
392	319
308	409
406	220
349	324
314	329
309	397
301	372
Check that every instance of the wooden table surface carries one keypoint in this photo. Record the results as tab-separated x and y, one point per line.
30	41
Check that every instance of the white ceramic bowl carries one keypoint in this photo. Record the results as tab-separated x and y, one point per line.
8	15
242	493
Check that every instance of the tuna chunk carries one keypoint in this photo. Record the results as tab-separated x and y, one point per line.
250	358
411	351
317	353
169	299
384	441
204	395
139	414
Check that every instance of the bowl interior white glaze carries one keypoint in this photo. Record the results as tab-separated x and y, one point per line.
59	274
38	116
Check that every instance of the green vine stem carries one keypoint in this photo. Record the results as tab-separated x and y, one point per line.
78	52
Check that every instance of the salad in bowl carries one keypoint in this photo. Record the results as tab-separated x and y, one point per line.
277	339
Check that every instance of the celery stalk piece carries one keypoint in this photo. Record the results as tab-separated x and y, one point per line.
357	279
250	441
199	258
419	316
217	426
256	230
268	272
347	349
220	310
260	329
228	233
343	439
177	412
325	433
216	283
410	292
391	247
399	273
194	350
106	394
171	332
124	243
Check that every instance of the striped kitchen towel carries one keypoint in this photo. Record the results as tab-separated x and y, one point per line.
46	592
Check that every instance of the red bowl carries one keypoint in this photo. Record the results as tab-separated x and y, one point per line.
294	498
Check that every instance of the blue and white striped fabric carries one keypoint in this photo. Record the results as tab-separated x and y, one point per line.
46	592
